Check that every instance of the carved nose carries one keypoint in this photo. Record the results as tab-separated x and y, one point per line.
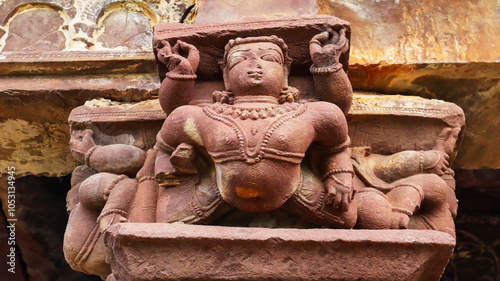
254	62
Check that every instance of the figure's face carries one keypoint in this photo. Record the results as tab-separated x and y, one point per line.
256	69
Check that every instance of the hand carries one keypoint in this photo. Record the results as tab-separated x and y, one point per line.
182	58
81	141
436	162
339	194
325	48
446	140
399	221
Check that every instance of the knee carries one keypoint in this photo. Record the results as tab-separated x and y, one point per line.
373	210
91	191
434	188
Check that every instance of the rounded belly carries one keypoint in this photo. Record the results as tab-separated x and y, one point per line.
258	187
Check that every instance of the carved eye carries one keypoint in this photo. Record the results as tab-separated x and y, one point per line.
234	60
271	58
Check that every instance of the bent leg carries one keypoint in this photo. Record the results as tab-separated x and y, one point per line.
374	209
434	212
84	247
192	201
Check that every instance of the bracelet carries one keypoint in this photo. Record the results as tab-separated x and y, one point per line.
112	185
421	161
402	211
175	76
314	41
88	154
147	178
325	69
337	171
111	211
416	187
347	187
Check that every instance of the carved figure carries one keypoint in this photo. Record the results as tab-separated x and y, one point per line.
409	189
257	148
248	148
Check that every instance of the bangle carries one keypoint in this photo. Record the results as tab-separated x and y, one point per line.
421	161
108	212
414	186
112	185
314	41
402	211
111	211
88	154
337	171
176	76
147	178
325	69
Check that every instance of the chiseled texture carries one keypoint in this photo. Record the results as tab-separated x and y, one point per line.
440	49
434	49
409	32
193	252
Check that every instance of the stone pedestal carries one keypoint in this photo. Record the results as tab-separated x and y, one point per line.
194	252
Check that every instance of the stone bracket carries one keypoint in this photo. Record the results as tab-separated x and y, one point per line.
194	252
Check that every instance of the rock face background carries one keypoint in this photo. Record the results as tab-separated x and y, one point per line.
55	55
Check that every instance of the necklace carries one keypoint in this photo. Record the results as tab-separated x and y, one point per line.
253	113
259	99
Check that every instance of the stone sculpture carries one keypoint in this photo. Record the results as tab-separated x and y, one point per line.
257	147
408	189
249	145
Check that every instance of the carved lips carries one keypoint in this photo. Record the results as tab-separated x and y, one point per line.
256	76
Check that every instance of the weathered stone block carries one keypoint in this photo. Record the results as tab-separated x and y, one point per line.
194	252
231	10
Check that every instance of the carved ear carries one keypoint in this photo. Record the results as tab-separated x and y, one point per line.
225	76
286	71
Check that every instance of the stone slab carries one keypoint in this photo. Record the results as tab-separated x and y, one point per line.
76	62
194	252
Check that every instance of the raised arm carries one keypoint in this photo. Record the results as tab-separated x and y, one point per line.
330	80
182	61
